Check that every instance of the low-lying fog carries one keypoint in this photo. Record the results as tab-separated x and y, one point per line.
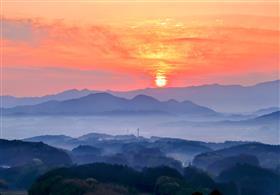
164	126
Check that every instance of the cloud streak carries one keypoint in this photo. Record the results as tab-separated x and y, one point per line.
142	49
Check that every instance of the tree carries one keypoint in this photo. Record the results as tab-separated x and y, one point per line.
166	186
215	192
3	184
198	178
197	193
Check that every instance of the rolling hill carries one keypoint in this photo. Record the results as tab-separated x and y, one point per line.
267	155
18	153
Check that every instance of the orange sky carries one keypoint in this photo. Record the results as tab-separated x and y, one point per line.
50	46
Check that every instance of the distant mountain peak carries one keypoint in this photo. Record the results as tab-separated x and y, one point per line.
172	101
71	90
99	95
273	82
144	98
188	102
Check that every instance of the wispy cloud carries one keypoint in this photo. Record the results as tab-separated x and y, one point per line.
22	30
45	80
140	49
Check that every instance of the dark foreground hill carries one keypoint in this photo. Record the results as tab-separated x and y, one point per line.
93	178
252	179
100	178
18	153
267	155
22	162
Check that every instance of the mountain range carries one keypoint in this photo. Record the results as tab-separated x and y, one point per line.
223	98
267	120
107	104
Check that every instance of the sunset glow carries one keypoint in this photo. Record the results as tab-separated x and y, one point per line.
160	80
124	46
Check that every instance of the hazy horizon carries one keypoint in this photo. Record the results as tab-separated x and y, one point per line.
136	89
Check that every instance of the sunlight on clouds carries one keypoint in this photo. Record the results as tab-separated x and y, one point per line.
161	49
161	71
157	51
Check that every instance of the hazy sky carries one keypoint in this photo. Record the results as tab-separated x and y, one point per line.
50	46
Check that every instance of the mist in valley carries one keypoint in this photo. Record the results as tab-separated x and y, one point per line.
190	128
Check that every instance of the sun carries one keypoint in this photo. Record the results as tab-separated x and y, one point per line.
160	81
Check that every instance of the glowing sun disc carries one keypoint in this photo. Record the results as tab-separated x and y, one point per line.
160	81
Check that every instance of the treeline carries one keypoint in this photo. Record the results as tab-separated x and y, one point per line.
101	178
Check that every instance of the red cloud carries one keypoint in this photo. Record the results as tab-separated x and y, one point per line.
173	50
